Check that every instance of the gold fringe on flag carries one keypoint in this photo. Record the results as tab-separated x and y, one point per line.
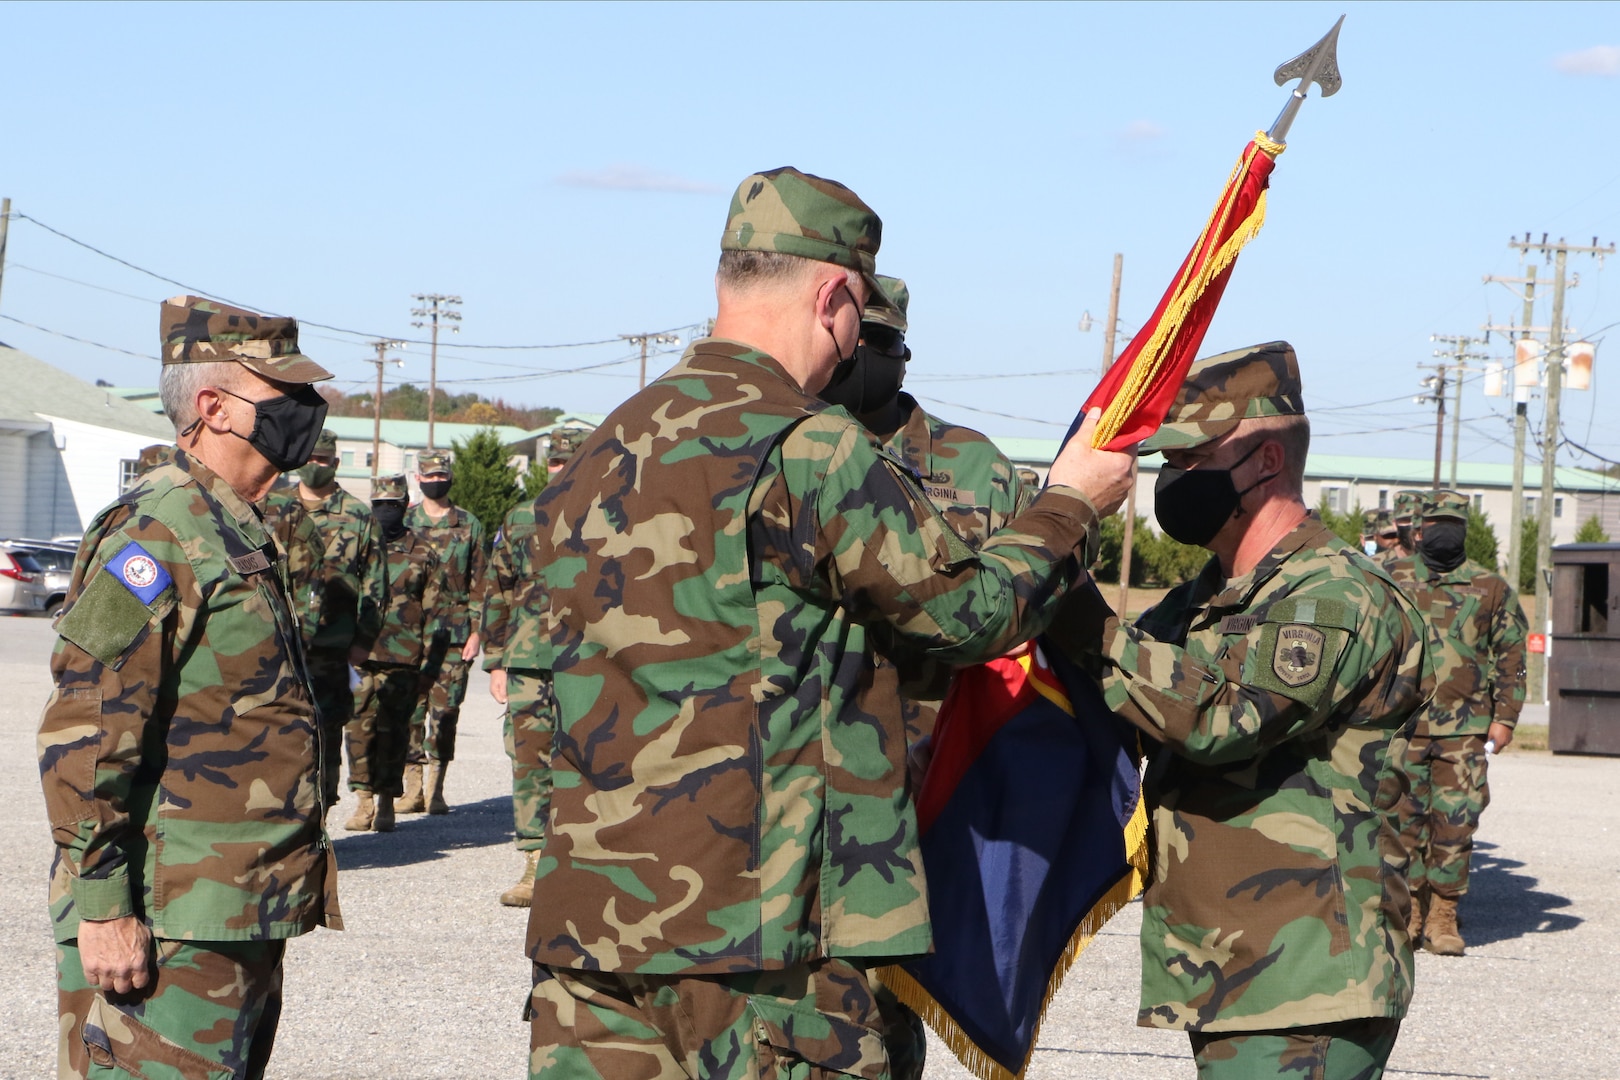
1194	280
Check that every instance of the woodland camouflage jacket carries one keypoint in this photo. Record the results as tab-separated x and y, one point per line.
725	797
1280	703
514	598
458	537
179	751
416	607
1476	645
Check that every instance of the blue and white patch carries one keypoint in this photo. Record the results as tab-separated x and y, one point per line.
139	572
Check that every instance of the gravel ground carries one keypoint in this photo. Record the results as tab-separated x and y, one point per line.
429	979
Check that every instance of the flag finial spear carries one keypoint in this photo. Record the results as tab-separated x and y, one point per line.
1318	64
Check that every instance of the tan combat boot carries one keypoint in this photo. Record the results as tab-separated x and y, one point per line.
411	802
522	894
434	785
1441	935
360	821
1414	921
384	821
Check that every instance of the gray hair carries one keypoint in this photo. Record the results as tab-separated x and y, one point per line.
741	271
178	385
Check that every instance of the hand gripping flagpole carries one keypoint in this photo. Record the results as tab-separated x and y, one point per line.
1136	392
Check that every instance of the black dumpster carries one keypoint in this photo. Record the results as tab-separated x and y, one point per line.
1584	659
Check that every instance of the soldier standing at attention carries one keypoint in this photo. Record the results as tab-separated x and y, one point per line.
1378	533
180	753
339	587
458	537
516	645
1408	502
407	656
1477	651
970	482
731	841
1278	688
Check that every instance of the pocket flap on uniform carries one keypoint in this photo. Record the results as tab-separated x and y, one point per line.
114	1039
828	1042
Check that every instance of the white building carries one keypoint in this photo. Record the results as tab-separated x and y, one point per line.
67	448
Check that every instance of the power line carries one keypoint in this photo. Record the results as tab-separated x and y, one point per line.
80	340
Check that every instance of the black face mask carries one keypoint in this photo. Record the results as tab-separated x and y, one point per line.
1443	542
285	428
1192	505
869	382
317	476
389	514
435	489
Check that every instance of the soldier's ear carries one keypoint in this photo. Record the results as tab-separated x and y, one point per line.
214	409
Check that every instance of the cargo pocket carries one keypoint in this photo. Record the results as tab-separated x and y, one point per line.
119	1045
802	1044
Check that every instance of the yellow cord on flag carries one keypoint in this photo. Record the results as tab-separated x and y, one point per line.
1192	284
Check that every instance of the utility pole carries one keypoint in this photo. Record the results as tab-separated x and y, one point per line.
1461	356
1559	253
642	340
1110	330
1521	406
5	225
382	345
435	306
1436	386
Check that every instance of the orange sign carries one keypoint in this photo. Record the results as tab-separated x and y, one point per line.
1537	643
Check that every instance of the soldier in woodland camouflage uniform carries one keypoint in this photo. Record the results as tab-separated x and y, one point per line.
180	753
458	537
1477	652
1408	502
967	478
339	583
1278	687
1378	533
404	662
731	840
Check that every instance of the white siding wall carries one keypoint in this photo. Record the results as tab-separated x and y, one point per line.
13	483
89	466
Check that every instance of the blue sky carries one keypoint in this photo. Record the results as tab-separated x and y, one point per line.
566	170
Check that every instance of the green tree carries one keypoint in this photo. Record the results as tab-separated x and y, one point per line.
1527	556
535	478
485	483
1480	543
1166	561
1591	532
1346	527
1112	548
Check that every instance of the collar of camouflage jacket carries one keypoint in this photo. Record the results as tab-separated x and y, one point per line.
243	512
727	349
1236	593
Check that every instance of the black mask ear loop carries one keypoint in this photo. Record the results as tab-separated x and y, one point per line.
845	361
1239	512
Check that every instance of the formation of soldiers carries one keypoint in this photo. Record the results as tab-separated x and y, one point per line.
722	634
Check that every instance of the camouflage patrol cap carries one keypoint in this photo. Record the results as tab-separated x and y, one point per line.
893	314
199	331
326	442
563	442
1407	503
1373	521
152	456
1222	391
794	213
432	463
389	487
1446	504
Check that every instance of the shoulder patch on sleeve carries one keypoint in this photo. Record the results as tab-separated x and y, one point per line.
1298	651
106	618
139	572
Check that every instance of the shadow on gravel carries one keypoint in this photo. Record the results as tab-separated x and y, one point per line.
1503	904
421	838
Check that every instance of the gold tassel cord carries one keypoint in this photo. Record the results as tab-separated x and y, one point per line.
1192	284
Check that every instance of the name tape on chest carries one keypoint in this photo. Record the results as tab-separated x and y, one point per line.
254	562
1238	624
139	572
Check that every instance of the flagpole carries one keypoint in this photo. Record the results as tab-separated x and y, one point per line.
1130	499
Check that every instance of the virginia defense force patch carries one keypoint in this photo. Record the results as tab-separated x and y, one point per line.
1300	643
1298	656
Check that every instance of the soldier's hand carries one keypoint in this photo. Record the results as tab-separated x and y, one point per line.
497	685
116	954
469	651
1501	735
1103	475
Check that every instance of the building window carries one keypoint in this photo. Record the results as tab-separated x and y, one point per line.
1479	502
346	459
1530	506
129	470
1383	498
1338	498
410	463
1558	506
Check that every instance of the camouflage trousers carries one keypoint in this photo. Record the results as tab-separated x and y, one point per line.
808	1022
379	734
531	717
209	1013
1438	818
433	725
1349	1050
329	673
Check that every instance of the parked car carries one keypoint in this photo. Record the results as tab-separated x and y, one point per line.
56	560
22	584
